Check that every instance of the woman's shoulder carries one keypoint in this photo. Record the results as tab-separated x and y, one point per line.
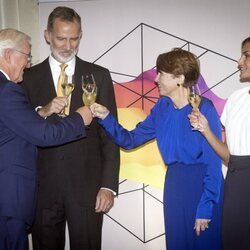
162	103
206	104
206	101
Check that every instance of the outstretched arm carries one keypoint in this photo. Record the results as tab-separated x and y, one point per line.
143	132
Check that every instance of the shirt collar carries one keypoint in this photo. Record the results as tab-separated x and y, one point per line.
5	74
55	65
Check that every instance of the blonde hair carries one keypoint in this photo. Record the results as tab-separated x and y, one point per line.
12	39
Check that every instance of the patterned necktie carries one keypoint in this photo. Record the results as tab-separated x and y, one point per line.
61	79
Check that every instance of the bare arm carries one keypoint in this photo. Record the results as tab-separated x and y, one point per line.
219	147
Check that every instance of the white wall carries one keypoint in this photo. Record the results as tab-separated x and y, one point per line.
219	26
18	14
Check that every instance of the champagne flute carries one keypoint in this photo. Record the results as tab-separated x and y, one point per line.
194	98
67	88
89	90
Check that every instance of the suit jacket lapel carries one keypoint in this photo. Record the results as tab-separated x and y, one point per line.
48	85
2	77
41	87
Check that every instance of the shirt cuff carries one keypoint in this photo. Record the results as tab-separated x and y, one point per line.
114	193
38	108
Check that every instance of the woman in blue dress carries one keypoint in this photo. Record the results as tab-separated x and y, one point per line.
192	191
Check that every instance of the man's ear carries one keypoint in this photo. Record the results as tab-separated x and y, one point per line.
7	55
80	35
46	36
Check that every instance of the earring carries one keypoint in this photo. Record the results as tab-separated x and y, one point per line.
178	85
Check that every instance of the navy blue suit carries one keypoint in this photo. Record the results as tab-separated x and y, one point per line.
21	130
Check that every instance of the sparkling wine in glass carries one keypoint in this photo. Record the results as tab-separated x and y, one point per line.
67	88
89	90
194	98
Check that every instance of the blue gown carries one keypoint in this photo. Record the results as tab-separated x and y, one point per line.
194	178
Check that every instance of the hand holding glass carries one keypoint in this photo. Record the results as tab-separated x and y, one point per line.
194	98
89	90
67	88
99	111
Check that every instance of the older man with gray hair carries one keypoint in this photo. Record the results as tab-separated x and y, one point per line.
21	130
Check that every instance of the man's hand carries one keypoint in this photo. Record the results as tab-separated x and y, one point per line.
104	201
55	106
86	114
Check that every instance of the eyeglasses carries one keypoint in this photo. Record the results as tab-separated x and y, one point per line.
29	56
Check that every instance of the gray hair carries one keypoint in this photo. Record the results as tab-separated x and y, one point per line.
12	39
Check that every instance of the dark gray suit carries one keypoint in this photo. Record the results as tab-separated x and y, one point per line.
71	175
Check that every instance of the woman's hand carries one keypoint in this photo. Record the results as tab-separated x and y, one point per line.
99	111
197	118
201	225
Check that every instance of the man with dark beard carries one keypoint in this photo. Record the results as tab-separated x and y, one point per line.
77	181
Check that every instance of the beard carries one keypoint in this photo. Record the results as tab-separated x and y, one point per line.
63	56
244	77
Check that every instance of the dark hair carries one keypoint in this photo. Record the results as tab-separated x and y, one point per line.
64	14
180	62
247	40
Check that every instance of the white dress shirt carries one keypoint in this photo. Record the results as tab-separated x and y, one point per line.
236	120
5	74
56	69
